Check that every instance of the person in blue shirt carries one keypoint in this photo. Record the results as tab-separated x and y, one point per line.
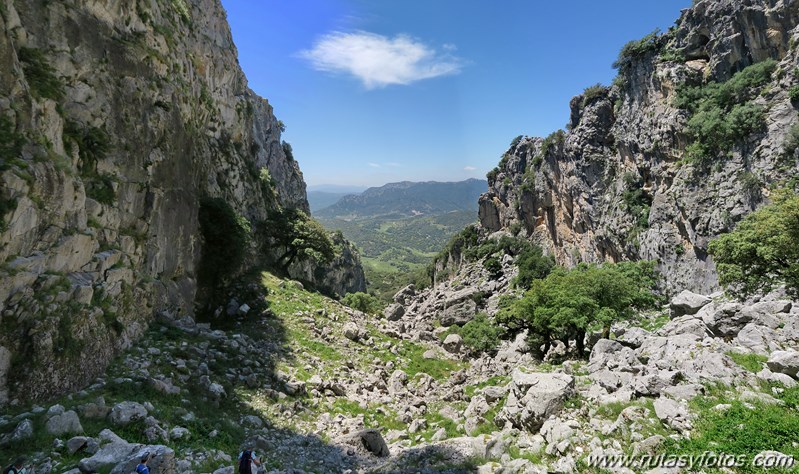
142	467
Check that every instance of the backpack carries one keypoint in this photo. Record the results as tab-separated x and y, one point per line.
244	465
10	470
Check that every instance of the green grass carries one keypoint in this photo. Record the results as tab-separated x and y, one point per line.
414	363
743	429
495	381
751	362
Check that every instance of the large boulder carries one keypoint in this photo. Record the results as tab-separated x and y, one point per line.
784	362
535	397
120	457
368	442
64	423
724	319
453	343
687	302
394	312
459	313
126	412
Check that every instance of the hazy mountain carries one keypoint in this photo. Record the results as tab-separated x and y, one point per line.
408	199
321	199
337	188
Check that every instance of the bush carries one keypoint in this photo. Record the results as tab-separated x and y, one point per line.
723	114
287	150
637	203
6	206
533	265
93	145
515	142
493	266
793	93
362	302
636	49
593	92
761	252
480	334
299	236
40	75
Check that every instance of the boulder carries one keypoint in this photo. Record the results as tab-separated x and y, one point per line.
351	331
673	413
534	397
126	412
453	343
394	312
120	457
687	302
368	441
784	362
687	324
23	430
459	313
758	339
65	423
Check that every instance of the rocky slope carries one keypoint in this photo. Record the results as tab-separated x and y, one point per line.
317	387
116	119
619	185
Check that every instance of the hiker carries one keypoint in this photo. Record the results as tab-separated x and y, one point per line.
16	468
246	459
142	467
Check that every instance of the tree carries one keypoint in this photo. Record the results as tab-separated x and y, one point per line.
568	303
362	302
299	236
762	252
226	237
533	265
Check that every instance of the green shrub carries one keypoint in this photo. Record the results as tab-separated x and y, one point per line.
793	93
362	302
491	176
299	236
592	93
40	75
723	114
636	49
480	334
515	142
287	150
493	266
100	187
637	203
93	143
533	265
10	143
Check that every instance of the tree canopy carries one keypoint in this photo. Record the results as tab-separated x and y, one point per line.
299	236
763	251
568	303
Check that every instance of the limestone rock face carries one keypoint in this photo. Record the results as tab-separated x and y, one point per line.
122	117
571	193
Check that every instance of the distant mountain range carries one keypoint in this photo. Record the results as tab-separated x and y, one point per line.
403	199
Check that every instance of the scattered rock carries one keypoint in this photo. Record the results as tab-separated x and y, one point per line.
784	362
687	302
126	412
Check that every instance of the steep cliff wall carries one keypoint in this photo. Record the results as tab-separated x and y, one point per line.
621	184
116	118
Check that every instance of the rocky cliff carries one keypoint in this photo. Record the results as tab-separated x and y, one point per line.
116	119
649	170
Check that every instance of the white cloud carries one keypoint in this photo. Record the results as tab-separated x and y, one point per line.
469	168
379	61
393	164
374	165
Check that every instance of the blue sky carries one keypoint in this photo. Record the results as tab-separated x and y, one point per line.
381	91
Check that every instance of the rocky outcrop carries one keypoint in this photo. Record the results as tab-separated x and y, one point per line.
617	186
117	118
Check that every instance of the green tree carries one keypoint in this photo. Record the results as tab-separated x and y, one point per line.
568	303
299	236
762	251
533	265
362	302
480	334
